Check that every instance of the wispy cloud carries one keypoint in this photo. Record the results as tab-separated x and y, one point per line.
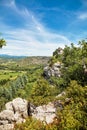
83	16
32	39
82	13
27	42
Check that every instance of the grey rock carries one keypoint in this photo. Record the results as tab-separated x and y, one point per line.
3	122
7	115
45	113
7	127
16	112
9	106
53	71
20	106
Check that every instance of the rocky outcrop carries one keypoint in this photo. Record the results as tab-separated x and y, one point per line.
54	70
7	127
45	113
19	109
16	112
18	106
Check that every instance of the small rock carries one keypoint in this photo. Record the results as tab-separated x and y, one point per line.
3	122
53	71
7	127
7	115
45	113
9	106
61	94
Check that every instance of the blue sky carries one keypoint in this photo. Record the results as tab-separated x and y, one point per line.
38	27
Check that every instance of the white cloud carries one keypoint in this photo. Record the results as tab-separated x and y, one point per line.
83	16
33	39
25	42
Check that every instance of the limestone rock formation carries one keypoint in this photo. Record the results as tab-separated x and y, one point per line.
54	70
16	112
45	113
19	109
7	127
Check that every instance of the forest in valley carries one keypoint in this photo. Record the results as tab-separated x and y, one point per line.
24	77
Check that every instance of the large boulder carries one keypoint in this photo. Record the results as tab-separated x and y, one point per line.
53	70
19	109
7	120
45	113
16	112
7	115
9	106
17	105
20	106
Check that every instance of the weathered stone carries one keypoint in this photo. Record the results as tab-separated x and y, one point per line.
9	106
7	127
57	64
19	109
7	115
20	106
3	122
53	71
45	113
16	112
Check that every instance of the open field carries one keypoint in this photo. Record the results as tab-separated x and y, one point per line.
8	74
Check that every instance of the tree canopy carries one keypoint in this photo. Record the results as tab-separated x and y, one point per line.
2	42
74	60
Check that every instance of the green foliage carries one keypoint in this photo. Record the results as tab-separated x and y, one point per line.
58	53
39	91
42	92
33	124
30	124
74	115
68	122
74	58
59	82
52	61
74	64
83	45
57	56
2	43
12	89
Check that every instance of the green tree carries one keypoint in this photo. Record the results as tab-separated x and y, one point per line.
75	63
83	45
2	42
74	114
42	92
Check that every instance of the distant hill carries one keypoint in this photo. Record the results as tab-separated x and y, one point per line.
23	60
34	60
11	57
